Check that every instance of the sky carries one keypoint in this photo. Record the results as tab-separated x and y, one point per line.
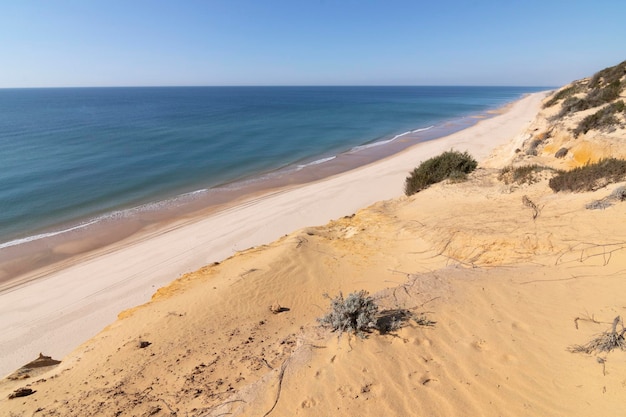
66	43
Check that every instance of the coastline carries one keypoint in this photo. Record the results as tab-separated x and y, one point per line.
35	254
75	309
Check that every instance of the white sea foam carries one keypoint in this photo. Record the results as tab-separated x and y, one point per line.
45	235
117	214
316	162
384	142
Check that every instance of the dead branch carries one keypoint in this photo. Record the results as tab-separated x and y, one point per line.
528	203
281	375
605	342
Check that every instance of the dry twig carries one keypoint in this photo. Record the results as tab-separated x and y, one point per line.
605	342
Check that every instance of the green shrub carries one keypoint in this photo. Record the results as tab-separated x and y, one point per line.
602	119
452	165
525	174
590	177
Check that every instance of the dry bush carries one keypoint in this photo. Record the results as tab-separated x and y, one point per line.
359	313
355	314
605	342
619	194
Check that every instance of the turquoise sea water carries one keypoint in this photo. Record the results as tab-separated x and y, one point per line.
76	156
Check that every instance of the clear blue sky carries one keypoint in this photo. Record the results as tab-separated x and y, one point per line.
315	42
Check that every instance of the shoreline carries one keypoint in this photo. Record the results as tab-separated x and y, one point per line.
59	311
56	247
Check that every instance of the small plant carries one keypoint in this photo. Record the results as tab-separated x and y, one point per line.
357	313
452	165
590	177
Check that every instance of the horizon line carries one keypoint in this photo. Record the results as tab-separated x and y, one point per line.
280	86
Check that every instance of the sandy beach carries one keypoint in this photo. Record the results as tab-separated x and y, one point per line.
60	308
503	292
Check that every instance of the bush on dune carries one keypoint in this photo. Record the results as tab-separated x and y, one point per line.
451	165
591	176
526	174
602	119
605	87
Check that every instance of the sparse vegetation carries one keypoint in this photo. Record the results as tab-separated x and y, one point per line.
590	177
452	165
605	87
532	148
608	75
605	342
619	194
602	119
526	174
564	93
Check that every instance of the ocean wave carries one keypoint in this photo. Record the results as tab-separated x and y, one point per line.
117	214
316	162
45	235
384	142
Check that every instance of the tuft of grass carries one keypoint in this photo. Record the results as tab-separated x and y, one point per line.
452	165
525	174
602	119
590	177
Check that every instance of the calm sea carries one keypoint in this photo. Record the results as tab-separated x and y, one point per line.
71	157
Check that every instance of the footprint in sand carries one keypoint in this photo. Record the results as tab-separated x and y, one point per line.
480	345
309	402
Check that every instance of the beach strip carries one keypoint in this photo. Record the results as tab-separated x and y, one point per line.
59	310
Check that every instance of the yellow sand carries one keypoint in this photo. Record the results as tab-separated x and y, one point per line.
508	293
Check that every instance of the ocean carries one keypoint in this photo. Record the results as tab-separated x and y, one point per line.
73	158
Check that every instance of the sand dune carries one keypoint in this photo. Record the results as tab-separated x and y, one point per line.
506	291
